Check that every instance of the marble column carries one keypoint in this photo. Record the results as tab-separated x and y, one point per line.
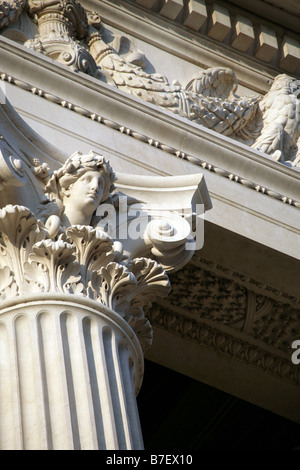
70	370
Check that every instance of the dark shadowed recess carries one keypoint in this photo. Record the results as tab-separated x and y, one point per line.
179	413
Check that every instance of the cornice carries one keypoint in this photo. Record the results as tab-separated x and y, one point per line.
285	14
196	46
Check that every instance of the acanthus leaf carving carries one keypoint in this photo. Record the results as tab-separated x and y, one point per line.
78	262
55	259
8	287
114	283
16	223
151	279
143	329
94	248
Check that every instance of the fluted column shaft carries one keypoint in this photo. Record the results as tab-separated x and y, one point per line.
70	370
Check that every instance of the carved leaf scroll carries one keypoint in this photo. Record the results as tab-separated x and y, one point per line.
151	281
8	288
94	248
113	284
53	263
16	223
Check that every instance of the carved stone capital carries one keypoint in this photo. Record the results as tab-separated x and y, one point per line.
80	262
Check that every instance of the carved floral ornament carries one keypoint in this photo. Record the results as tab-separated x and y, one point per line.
67	33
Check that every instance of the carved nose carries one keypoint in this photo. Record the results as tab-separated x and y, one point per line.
94	185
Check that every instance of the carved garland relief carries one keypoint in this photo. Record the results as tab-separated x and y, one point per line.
74	37
226	344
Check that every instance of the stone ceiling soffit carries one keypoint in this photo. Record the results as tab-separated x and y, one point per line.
219	309
219	312
227	343
201	262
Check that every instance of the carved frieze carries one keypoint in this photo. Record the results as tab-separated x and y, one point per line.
279	328
257	328
209	296
230	302
249	352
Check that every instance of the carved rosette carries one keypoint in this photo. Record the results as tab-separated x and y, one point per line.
80	262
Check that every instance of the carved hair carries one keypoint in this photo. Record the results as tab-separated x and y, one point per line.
51	208
74	168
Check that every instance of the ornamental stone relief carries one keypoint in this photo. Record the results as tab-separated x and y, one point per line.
209	296
222	301
64	31
230	319
212	336
279	327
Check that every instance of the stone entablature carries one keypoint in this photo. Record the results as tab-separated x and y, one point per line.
234	27
147	139
225	162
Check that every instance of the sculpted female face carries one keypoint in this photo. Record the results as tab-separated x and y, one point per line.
83	196
78	187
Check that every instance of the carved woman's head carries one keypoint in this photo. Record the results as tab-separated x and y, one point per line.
80	185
